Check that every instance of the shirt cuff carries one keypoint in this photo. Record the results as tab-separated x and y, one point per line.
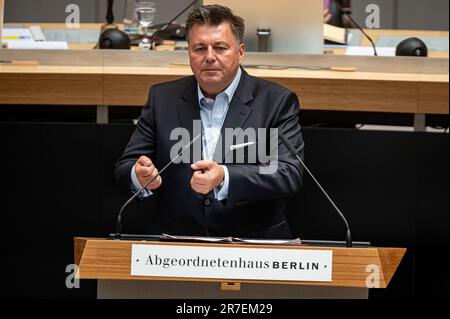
136	185
223	192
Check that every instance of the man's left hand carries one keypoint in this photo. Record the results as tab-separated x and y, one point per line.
207	176
326	16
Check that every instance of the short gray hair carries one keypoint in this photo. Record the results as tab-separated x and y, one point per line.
214	15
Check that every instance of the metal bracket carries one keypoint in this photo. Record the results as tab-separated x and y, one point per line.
230	286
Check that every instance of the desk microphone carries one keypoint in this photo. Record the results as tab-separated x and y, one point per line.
169	23
348	236
118	234
345	11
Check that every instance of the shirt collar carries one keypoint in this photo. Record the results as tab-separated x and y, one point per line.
229	91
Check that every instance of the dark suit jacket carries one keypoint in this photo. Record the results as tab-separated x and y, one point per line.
254	207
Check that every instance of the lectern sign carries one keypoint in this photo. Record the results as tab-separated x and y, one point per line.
231	263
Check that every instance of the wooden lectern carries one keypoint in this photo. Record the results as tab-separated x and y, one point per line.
353	273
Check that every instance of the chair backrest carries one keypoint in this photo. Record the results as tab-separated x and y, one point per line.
337	18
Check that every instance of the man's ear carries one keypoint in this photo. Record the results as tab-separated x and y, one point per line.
241	51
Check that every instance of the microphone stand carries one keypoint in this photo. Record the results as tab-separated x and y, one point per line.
345	11
109	18
109	21
152	39
348	236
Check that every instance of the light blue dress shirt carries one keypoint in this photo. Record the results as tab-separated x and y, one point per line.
212	114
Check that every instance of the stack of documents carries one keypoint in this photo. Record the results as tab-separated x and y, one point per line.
231	240
381	51
29	38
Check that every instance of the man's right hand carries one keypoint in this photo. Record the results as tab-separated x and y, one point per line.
145	171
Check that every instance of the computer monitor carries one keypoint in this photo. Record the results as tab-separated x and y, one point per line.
296	25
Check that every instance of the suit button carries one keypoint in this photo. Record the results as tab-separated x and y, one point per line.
207	202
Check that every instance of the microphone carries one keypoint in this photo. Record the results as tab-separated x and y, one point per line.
348	236
109	25
118	234
169	23
345	11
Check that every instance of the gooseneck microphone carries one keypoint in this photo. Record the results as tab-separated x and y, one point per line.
118	234
346	13
169	23
109	12
348	236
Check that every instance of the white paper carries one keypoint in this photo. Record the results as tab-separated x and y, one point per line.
381	51
23	33
234	240
83	36
30	44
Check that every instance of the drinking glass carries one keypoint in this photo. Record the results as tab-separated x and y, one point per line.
145	13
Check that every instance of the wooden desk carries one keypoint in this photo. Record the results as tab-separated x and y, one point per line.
106	77
373	33
71	45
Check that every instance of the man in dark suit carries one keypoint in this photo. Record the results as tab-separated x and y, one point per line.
220	193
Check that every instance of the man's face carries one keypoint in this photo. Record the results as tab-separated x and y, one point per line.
215	56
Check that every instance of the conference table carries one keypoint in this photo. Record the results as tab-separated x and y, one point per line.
104	78
375	34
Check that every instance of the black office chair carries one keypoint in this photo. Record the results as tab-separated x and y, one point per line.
337	18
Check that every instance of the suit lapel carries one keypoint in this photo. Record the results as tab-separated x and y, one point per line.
188	111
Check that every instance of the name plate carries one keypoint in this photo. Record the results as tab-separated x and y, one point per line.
231	263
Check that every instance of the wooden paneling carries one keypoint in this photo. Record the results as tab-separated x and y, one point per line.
433	98
131	89
354	95
51	89
111	259
103	77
